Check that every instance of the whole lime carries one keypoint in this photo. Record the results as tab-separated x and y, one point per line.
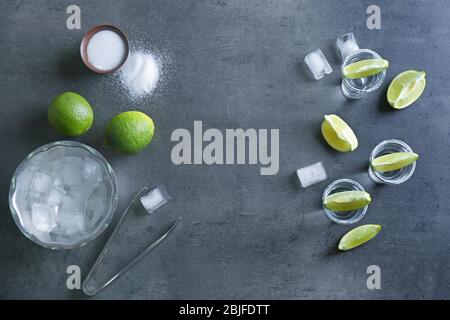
70	114
130	132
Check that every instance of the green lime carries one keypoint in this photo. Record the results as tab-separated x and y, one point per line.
365	68
406	88
338	134
70	114
130	132
358	236
347	200
393	161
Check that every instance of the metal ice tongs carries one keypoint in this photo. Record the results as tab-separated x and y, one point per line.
160	197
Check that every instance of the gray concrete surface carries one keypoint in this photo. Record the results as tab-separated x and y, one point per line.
239	64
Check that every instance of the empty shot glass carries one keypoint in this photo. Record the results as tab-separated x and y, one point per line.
358	88
391	177
344	217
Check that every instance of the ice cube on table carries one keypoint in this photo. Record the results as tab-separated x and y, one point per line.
43	217
155	198
70	222
312	174
42	183
70	170
318	64
56	195
346	45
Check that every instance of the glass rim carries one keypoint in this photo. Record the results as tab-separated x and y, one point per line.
327	191
374	153
112	180
349	84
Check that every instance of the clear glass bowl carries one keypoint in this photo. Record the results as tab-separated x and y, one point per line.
346	217
104	218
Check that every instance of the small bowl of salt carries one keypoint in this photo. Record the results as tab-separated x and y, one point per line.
104	48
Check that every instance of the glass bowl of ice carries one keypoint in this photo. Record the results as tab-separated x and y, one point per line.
63	195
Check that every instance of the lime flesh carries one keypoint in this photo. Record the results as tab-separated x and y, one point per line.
365	68
393	161
406	88
358	236
347	201
338	134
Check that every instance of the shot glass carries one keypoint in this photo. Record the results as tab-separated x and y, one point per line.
391	177
358	88
345	217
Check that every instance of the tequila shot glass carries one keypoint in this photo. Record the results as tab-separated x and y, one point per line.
345	217
391	177
358	88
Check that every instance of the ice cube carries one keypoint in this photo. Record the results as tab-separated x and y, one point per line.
56	195
55	153
70	169
91	170
95	208
25	220
318	64
70	222
92	175
155	198
73	202
312	174
42	183
44	217
346	45
25	178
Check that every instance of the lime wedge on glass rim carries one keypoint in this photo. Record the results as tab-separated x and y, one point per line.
358	236
406	88
338	134
365	68
347	201
393	161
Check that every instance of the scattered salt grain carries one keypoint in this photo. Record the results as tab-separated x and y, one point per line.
140	73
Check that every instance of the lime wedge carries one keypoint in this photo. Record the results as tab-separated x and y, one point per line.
393	161
338	134
347	200
365	68
406	88
358	236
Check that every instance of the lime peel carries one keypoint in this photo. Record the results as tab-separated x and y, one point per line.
358	236
347	200
393	161
365	68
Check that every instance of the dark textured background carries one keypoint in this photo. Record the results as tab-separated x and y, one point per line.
240	64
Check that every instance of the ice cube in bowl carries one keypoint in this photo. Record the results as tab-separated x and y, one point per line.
60	201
